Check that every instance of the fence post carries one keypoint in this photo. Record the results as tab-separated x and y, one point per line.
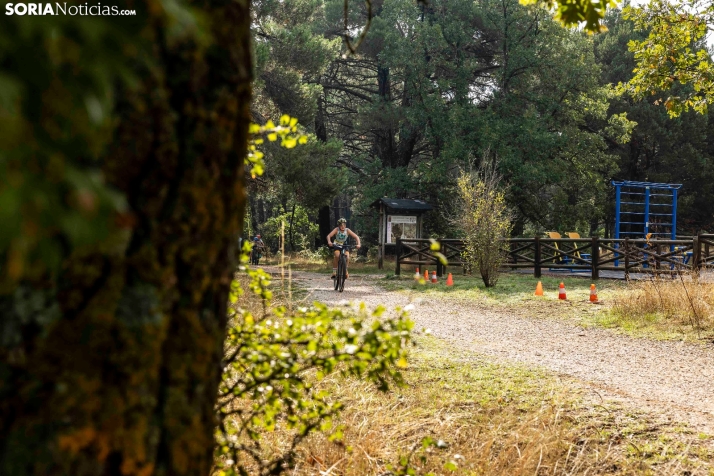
696	254
706	252
595	257
512	256
399	255
536	265
627	258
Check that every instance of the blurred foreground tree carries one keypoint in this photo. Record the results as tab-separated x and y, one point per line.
122	144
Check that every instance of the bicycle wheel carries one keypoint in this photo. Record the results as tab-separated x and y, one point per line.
338	274
342	272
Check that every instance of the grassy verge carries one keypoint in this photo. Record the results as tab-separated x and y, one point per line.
495	420
664	308
516	293
680	307
492	419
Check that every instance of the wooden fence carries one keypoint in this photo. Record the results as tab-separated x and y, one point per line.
575	254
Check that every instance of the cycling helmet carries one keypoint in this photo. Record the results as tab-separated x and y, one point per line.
341	220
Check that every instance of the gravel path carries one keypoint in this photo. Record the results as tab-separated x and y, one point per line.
672	378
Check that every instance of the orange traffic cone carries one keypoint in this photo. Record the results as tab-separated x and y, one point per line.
539	289
417	276
561	291
449	280
426	275
433	277
593	293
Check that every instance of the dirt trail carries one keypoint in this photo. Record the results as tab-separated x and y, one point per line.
672	378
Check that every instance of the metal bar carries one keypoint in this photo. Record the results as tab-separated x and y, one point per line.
647	210
674	214
617	214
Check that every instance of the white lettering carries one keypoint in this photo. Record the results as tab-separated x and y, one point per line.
8	9
17	9
48	9
76	10
61	8
115	11
32	10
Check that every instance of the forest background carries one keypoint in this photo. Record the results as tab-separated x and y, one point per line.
438	88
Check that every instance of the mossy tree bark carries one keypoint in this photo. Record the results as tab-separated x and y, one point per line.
110	364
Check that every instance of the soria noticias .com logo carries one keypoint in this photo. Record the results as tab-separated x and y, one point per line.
65	10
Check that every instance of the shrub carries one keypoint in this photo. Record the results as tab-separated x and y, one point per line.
481	212
373	254
274	356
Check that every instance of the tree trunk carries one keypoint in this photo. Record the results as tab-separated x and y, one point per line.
292	221
323	215
320	126
253	214
117	371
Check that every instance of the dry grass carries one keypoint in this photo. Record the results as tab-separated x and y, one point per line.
682	304
493	420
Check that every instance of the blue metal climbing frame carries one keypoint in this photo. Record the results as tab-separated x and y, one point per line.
645	207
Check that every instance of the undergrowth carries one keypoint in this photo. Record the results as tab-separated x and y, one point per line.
458	413
681	304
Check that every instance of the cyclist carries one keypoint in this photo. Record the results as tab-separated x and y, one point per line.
341	233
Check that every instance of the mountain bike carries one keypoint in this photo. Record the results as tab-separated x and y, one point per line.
341	267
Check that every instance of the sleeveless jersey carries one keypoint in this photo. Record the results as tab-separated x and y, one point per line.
341	236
